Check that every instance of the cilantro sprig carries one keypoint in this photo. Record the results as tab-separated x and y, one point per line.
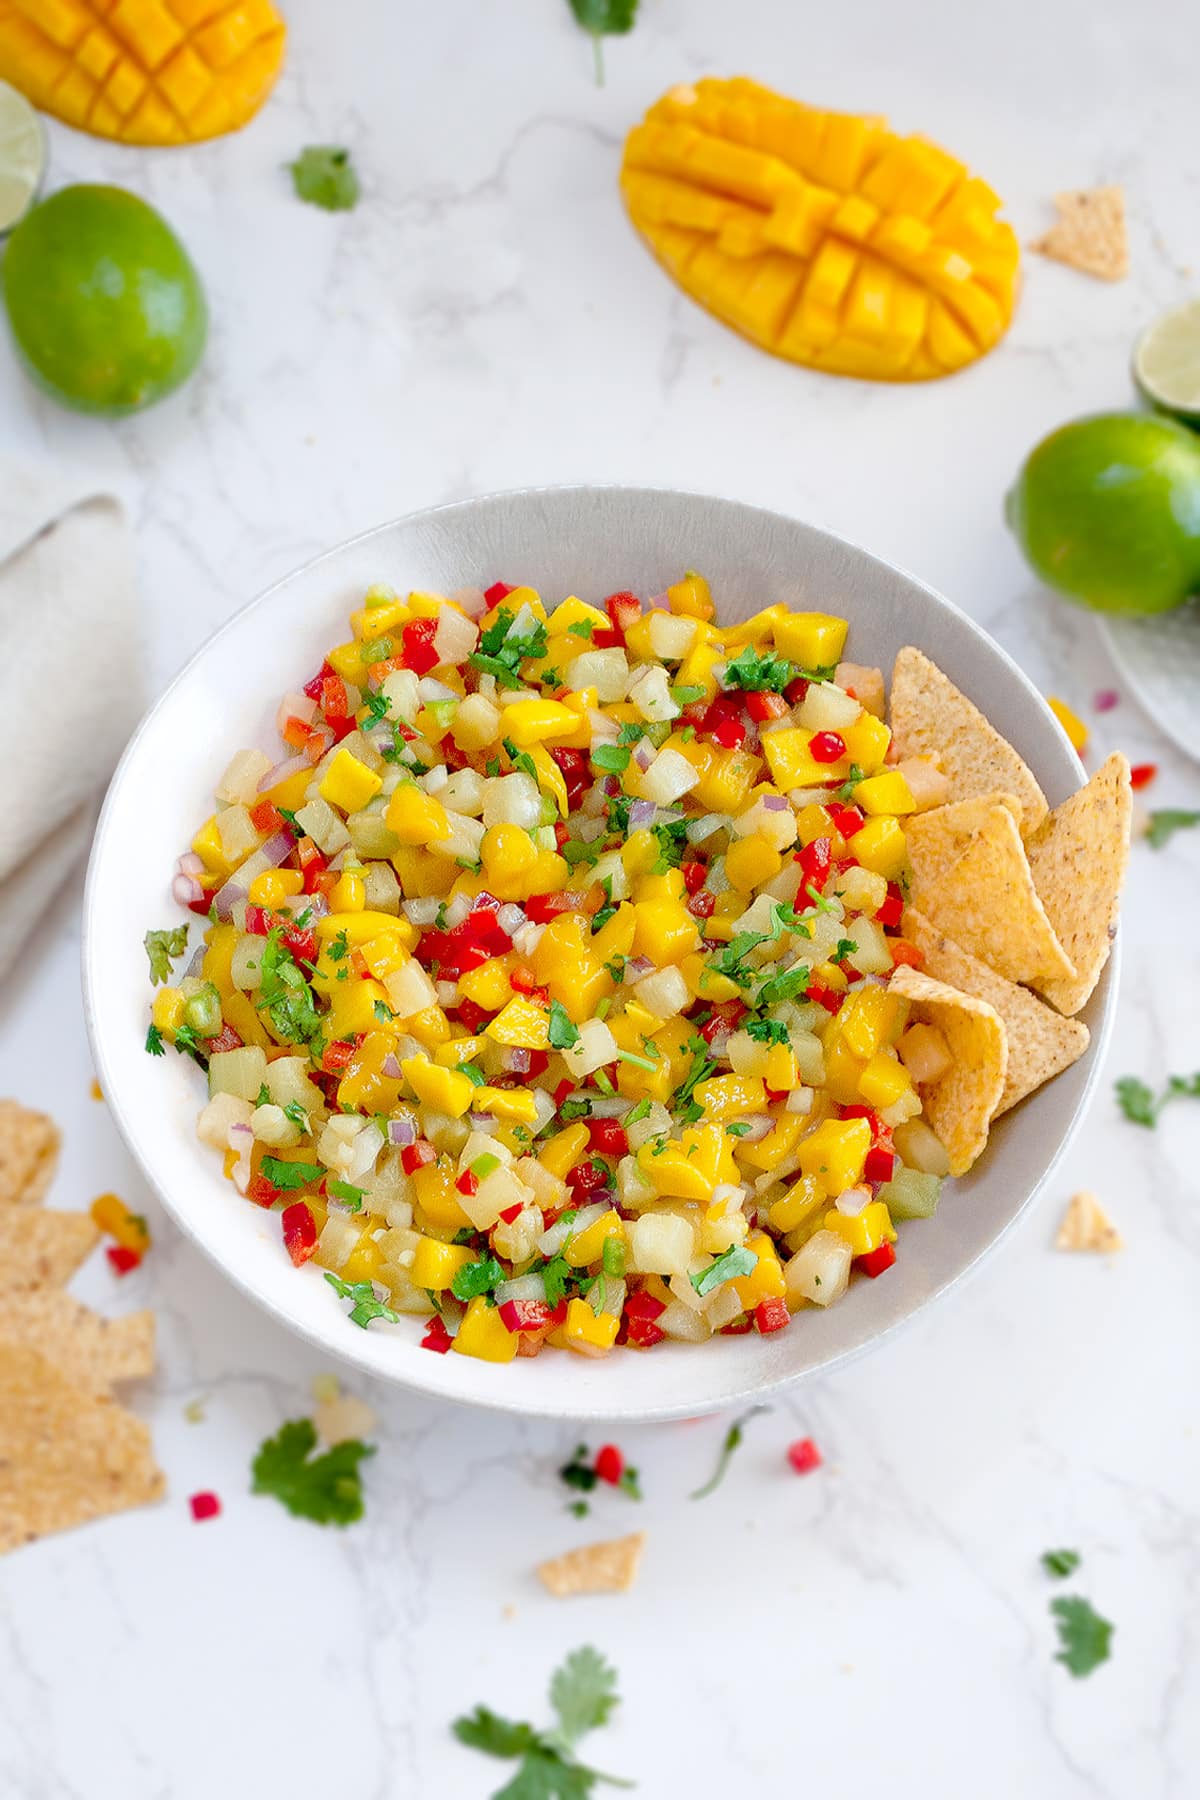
583	1693
580	1474
563	1032
1084	1637
1165	822
601	19
731	1263
753	671
326	1489
366	1307
730	1445
162	949
1142	1106
501	654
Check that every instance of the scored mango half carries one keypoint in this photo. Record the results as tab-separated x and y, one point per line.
822	236
143	71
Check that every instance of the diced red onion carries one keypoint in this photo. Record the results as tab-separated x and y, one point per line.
472	600
185	889
517	1060
391	1068
760	1126
191	864
642	812
197	962
775	803
276	849
400	1131
644	753
636	968
281	772
227	897
510	918
482	1121
661	601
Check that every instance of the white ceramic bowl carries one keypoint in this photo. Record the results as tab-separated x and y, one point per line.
588	541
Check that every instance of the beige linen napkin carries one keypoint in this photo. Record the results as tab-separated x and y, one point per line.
70	676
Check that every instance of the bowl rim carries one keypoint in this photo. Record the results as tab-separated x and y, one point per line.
511	1398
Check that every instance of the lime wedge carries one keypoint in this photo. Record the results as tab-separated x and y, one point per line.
22	156
1166	362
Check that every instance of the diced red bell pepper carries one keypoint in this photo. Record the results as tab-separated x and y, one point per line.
724	724
725	1017
881	1132
772	1315
299	1232
436	1336
204	1506
499	590
891	912
512	1213
473	1016
702	905
452	756
824	996
561	1092
313	688
876	1261
906	954
266	818
762	705
624	610
312	861
203	905
258	920
522	980
880	1165
827	746
541	908
301	943
693	876
539	1062
607	640
467	1183
416	1156
334	700
607	1137
337	1055
417	638
226	1039
641	1310
123	1259
609	1464
795	690
576	771
816	861
848	819
585	1178
804	1456
1142	774
262	1191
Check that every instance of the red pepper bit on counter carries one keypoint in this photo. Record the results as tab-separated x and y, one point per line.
204	1506
1142	774
609	1464
122	1259
804	1456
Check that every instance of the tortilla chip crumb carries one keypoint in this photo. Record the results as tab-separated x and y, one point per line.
606	1568
29	1144
340	1417
1090	233
1086	1226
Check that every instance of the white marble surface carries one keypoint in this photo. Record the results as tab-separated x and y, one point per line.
485	319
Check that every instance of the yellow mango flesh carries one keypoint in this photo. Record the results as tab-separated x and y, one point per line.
823	237
145	71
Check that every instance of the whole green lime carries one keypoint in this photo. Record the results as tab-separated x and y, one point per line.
105	305
1107	510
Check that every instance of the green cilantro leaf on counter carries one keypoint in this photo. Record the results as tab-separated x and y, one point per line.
1166	822
326	1489
323	175
366	1307
1060	1563
163	948
1084	1637
583	1693
1142	1106
563	1033
601	19
729	1447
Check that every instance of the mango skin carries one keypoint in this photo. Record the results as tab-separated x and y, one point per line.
147	71
823	237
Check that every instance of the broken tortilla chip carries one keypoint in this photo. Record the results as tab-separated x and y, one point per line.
607	1568
929	716
1078	858
1041	1044
29	1144
1086	1226
42	1249
65	1456
972	880
91	1351
959	1105
1090	233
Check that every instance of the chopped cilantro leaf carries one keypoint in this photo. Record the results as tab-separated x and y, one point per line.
326	1489
702	1067
323	175
477	1278
579	1509
296	1113
163	948
845	792
582	628
1060	1563
562	1032
1142	1107
738	1129
342	1190
845	947
726	1267
555	1275
1083	1636
264	1096
767	1031
366	1307
752	671
288	1176
520	759
154	1042
579	1473
383	1012
570	1110
636	1114
613	758
377	708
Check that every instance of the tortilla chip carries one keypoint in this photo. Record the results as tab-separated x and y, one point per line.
90	1351
42	1249
1090	233
972	880
65	1456
930	717
1078	858
1041	1044
29	1144
960	1104
1086	1226
607	1568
